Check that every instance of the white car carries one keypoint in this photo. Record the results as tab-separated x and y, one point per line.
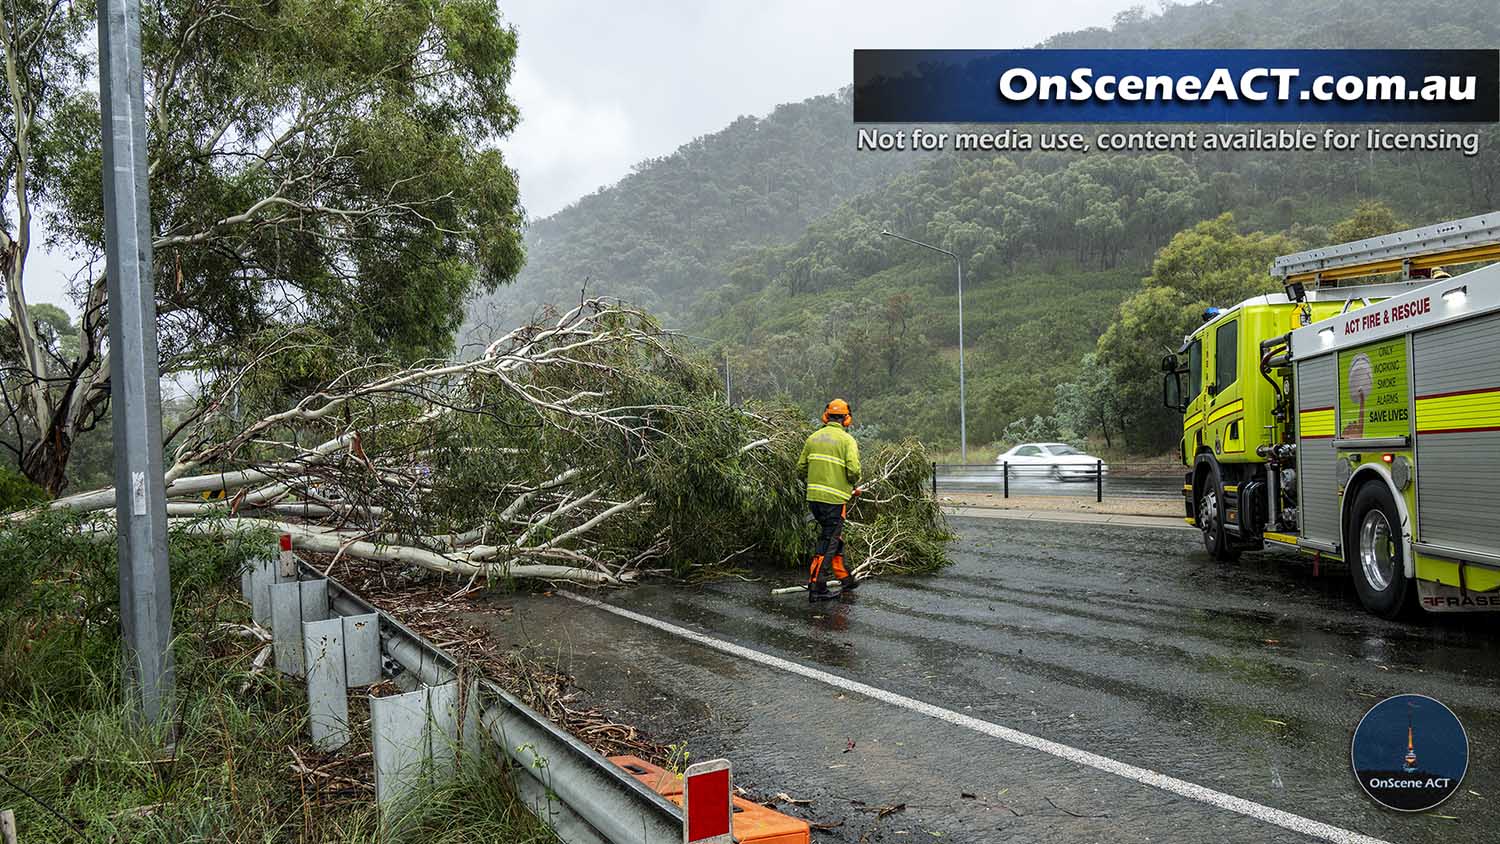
1059	461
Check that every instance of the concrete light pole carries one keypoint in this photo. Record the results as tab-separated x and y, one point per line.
963	421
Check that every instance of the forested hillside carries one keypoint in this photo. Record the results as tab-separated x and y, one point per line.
1079	269
662	236
1051	247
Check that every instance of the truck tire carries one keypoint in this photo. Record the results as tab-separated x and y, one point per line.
1375	552
1211	517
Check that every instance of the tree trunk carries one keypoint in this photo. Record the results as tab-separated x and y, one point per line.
45	462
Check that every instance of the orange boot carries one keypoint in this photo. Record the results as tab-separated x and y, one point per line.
842	573
817	587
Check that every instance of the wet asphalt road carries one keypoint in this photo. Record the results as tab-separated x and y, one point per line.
1128	642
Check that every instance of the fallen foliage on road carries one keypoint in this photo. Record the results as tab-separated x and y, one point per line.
590	448
434	610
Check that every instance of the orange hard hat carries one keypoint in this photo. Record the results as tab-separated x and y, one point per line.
838	407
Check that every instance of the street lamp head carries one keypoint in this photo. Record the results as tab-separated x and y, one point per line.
886	232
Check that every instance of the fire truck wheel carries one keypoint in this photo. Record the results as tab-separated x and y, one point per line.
1375	552
1211	518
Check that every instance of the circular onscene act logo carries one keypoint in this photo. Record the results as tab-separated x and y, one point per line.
1410	753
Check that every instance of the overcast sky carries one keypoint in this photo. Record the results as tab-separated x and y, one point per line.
603	84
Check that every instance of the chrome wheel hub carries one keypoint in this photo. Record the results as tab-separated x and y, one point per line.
1377	550
1208	514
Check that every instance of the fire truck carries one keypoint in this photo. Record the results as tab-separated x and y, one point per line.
1355	416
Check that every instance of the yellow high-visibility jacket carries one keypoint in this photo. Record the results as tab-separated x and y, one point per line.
830	464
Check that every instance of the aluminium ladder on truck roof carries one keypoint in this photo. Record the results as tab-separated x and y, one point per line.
1463	241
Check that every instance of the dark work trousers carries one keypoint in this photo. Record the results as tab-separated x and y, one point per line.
830	518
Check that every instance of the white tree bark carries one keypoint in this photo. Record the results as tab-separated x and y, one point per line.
343	496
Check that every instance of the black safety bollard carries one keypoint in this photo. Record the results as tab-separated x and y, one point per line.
934	480
1099	482
1007	478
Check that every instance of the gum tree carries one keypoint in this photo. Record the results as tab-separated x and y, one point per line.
589	447
313	163
1211	263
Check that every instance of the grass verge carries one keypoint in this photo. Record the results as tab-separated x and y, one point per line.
231	765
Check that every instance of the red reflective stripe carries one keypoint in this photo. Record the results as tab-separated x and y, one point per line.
1316	409
708	807
1460	393
1422	433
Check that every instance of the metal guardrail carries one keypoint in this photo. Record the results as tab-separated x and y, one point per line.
1099	479
583	796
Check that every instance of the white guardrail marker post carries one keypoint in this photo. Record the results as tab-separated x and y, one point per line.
707	803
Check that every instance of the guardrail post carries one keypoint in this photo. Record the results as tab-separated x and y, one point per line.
588	799
1099	481
400	743
415	738
294	602
361	648
934	480
255	585
1006	471
327	685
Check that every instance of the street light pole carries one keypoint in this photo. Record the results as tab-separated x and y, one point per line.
725	352
963	421
134	382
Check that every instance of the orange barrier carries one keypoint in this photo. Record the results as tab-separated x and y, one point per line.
658	779
753	823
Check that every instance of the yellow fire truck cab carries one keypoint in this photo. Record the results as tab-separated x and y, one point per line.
1358	422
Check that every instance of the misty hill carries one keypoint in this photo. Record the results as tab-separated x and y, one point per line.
1292	24
662	235
787	268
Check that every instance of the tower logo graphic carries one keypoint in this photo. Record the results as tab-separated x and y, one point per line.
1410	753
1409	764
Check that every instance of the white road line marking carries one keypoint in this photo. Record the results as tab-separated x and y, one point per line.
1192	791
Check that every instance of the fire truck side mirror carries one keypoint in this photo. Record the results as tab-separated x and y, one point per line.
1171	391
1169	363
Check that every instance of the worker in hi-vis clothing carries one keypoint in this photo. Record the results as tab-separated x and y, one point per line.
830	466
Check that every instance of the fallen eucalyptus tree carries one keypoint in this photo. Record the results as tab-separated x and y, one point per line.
588	449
